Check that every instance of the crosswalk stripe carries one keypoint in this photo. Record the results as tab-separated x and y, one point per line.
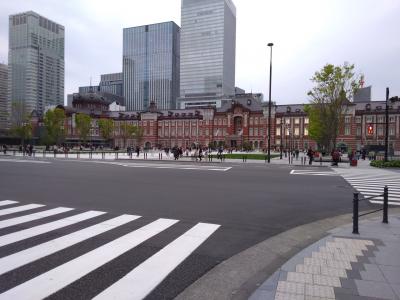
143	279
7	202
26	256
50	282
35	216
11	210
378	191
371	183
40	229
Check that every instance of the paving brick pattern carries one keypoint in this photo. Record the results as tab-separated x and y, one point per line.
342	266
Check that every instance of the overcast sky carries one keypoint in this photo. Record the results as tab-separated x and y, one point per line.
307	34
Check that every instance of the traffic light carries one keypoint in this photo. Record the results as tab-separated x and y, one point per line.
370	129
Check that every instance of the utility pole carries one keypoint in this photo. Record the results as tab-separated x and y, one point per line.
387	126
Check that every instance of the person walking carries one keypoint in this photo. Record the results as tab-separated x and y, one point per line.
310	154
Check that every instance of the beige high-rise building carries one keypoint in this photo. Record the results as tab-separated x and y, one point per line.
36	61
3	96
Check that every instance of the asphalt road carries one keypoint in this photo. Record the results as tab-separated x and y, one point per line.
250	202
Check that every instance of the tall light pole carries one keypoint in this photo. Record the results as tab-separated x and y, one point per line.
387	125
269	105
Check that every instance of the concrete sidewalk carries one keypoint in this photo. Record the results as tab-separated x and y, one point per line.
342	266
154	156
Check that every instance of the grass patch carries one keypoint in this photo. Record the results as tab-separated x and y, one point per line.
248	155
383	164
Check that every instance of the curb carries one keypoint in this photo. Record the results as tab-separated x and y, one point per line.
239	276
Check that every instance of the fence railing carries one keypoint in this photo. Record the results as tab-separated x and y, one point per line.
357	200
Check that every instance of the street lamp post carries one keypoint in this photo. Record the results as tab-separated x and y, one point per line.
387	125
269	105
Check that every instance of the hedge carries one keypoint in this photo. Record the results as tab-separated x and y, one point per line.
383	164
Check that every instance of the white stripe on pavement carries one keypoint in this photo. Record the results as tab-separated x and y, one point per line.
35	216
24	161
7	202
40	229
378	191
143	279
50	282
7	211
26	256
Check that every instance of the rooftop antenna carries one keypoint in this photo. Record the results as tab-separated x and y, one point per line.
90	87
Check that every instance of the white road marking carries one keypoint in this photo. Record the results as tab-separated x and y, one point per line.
143	279
313	173
26	256
50	282
163	166
40	229
25	161
35	216
7	211
7	202
370	182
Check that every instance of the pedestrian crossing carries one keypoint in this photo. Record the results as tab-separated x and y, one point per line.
314	172
370	182
135	284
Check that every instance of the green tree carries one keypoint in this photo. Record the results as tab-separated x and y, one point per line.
106	127
127	131
21	125
334	89
54	121
83	125
138	135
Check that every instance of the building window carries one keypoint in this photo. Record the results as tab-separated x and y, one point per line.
358	131
278	131
347	130
380	131
306	120
305	131
278	121
287	120
256	121
256	131
278	142
297	131
381	119
369	119
251	121
358	120
391	131
347	119
251	131
392	119
297	121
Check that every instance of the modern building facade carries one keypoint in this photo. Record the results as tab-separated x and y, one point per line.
151	64
112	83
208	48
36	61
4	106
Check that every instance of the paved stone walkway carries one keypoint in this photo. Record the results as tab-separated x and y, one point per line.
342	266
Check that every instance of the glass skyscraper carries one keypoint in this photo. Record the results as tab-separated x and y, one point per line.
151	61
208	41
36	61
3	96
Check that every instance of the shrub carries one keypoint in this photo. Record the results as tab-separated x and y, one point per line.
383	164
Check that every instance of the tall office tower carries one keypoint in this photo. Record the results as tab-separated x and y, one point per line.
151	62
3	96
36	61
112	83
208	40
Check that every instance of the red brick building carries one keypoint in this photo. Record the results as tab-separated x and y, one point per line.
242	120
